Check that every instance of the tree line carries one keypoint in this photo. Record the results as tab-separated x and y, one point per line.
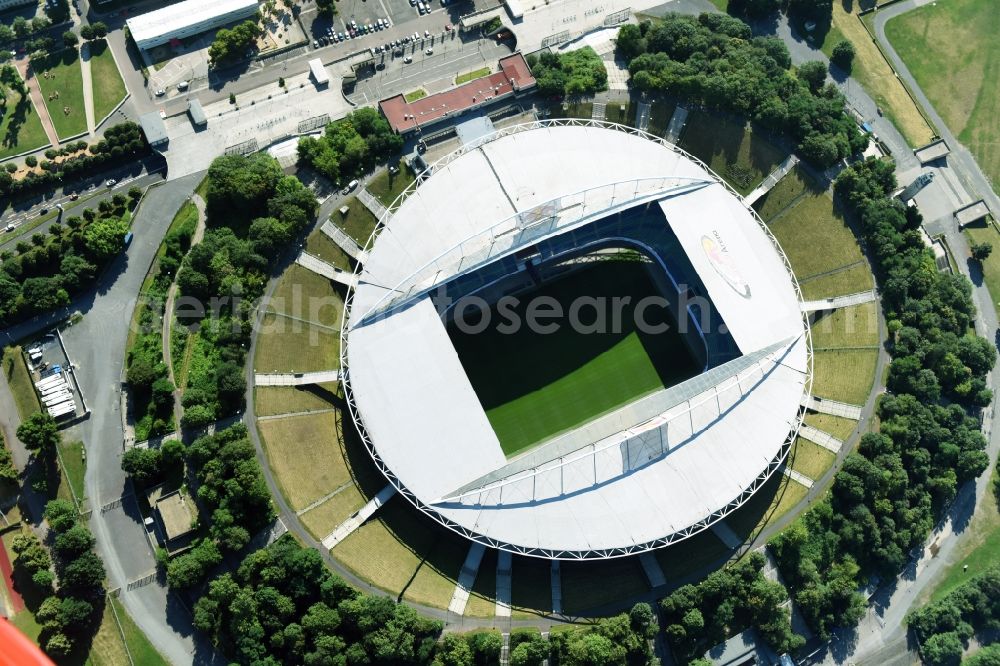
62	579
121	143
945	627
893	489
48	271
714	60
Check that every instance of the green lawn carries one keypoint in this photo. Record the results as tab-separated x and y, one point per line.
787	191
950	48
20	128
21	384
855	326
320	245
61	83
109	89
572	110
837	426
844	375
74	466
386	187
471	76
810	459
536	386
139	646
359	223
737	154
621	112
414	95
982	232
849	280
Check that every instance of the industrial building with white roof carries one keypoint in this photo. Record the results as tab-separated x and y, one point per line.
646	475
186	19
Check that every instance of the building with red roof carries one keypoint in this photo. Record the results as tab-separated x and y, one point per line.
513	79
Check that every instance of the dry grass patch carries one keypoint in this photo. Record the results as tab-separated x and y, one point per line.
872	70
810	459
304	454
307	295
844	375
848	281
854	326
325	518
619	580
788	189
320	245
815	237
271	400
286	345
482	599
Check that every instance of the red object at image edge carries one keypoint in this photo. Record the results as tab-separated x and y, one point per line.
17	650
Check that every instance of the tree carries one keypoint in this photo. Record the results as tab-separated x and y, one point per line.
100	29
843	55
74	542
942	649
326	8
143	465
813	73
105	238
86	572
58	645
453	651
87	32
39	433
70	39
61	514
981	251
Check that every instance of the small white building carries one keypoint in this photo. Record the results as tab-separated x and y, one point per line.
318	72
186	19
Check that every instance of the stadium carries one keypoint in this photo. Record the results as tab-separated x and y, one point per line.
586	440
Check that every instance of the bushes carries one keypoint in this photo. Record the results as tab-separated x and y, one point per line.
230	45
696	617
576	72
714	60
945	627
350	146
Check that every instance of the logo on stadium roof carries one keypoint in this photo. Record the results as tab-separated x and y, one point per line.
717	253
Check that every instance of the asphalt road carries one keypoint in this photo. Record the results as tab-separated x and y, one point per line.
140	174
97	346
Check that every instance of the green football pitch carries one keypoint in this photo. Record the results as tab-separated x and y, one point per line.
534	385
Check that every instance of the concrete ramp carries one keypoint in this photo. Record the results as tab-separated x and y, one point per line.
726	535
676	126
832	407
651	567
358	518
797	477
466	578
295	378
503	583
838	301
320	267
555	581
344	242
824	439
371	203
642	116
780	172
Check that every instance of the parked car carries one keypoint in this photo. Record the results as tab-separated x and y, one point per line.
74	196
183	85
429	52
160	92
9	227
111	182
407	60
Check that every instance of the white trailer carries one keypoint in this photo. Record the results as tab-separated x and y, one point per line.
58	386
63	409
56	398
51	379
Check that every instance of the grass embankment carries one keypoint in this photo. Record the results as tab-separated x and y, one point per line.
621	112
386	187
873	71
732	150
660	114
983	232
61	83
109	89
139	646
20	129
533	386
572	110
810	459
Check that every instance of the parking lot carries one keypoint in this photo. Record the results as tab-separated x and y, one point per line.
392	12
53	377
